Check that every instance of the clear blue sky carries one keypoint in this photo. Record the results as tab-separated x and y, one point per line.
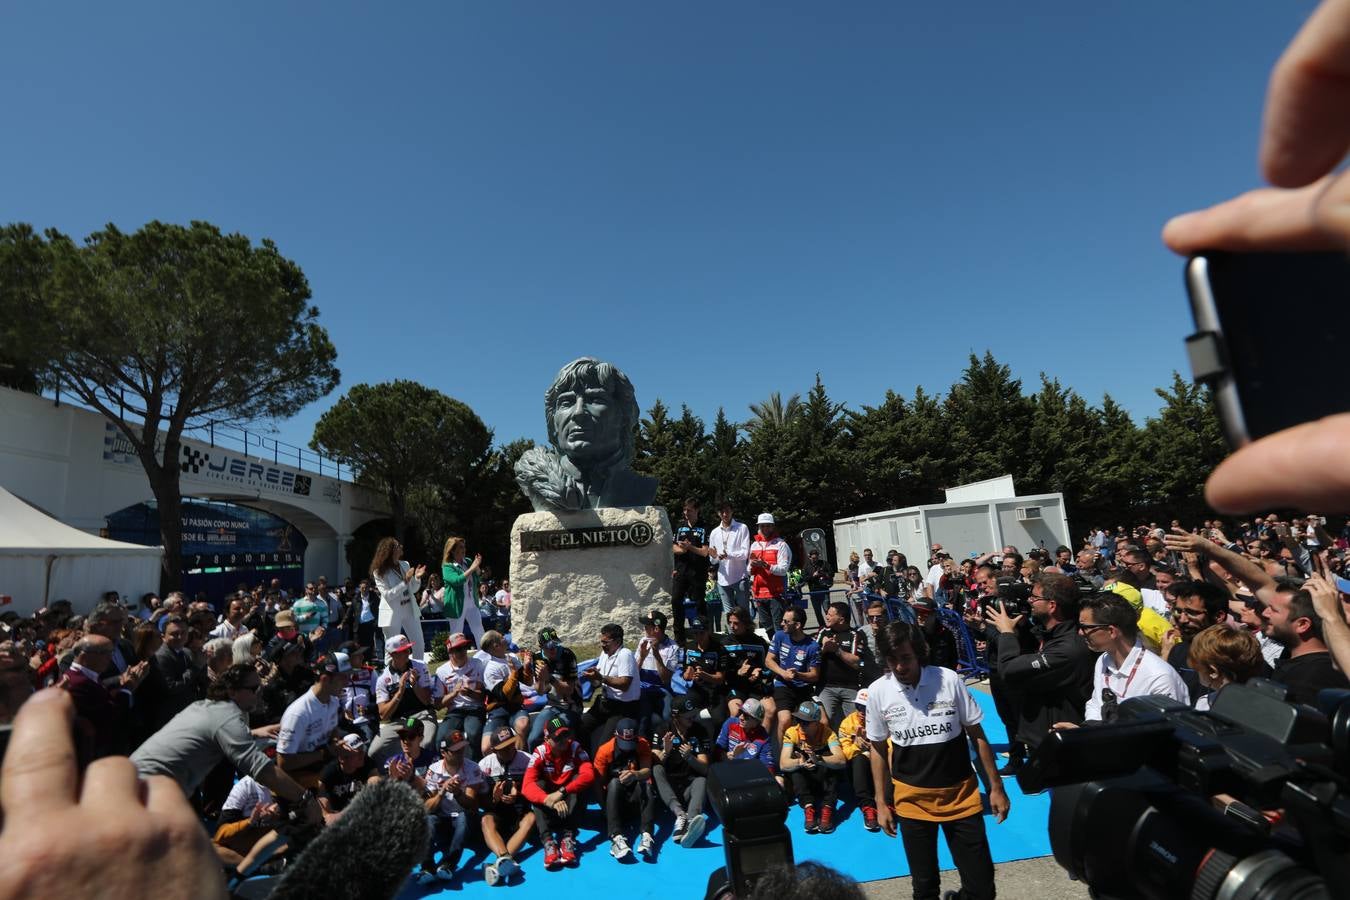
721	198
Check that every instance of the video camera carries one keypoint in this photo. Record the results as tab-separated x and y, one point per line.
753	811
1248	800
1014	595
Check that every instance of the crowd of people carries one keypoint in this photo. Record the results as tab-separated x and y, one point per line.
271	712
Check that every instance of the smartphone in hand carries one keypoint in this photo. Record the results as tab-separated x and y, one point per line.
1270	330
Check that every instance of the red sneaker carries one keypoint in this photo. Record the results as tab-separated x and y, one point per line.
826	819
569	849
870	818
552	856
810	812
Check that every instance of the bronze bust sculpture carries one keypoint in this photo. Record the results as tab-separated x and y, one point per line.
592	413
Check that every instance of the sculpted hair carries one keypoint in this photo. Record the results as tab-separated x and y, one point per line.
589	372
383	560
896	634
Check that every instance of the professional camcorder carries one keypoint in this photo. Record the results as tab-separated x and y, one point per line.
1250	800
753	811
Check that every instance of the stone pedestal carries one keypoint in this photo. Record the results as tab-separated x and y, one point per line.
577	571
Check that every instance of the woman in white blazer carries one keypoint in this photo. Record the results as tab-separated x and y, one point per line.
397	583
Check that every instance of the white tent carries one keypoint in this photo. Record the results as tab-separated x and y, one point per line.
43	560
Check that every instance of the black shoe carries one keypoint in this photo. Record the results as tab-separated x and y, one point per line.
1012	768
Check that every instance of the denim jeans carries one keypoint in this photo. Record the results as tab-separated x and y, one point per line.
447	836
734	595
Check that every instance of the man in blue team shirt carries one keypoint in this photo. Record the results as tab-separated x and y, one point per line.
794	659
743	737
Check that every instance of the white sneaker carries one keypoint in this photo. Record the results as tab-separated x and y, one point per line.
507	867
647	845
695	830
492	874
425	877
681	824
445	873
618	847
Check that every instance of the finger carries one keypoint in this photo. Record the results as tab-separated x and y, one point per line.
111	784
1265	219
1300	467
39	769
1306	131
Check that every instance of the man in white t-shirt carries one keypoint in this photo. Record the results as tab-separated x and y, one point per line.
730	546
1109	624
463	692
454	785
926	719
507	816
308	736
617	687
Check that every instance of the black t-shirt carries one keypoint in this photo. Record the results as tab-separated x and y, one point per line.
833	671
712	660
1179	659
340	787
1307	674
565	668
696	739
692	563
754	649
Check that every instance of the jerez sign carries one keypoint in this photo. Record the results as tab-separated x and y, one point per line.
638	534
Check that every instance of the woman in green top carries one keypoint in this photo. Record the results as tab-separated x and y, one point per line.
461	589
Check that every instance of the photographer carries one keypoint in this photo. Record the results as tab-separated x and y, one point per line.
929	718
1054	680
1013	597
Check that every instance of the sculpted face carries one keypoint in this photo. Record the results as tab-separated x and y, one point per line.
586	422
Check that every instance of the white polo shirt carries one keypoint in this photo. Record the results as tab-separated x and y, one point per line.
1142	673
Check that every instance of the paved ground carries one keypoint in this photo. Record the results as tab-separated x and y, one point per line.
1026	878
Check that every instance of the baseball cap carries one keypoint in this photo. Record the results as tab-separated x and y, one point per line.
558	726
752	707
334	663
765	519
457	641
696	624
455	740
625	734
410	725
398	644
548	636
501	737
807	711
685	705
655	617
353	742
860	699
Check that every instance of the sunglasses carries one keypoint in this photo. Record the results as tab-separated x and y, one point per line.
1089	629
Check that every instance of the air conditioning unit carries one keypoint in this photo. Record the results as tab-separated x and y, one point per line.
1028	513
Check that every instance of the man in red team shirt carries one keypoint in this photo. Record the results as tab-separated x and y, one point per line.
770	558
559	771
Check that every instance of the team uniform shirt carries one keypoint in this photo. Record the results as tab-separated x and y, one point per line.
693	564
420	765
795	737
495	771
670	655
733	551
472	676
676	764
569	771
563	668
711	660
833	671
358	698
386	686
307	724
789	654
736	744
244	796
752	649
1142	673
930	757
340	787
470	776
775	554
851	730
620	664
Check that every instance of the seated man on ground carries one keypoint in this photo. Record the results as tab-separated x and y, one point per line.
812	757
858	752
343	778
559	771
623	769
454	786
743	737
681	750
507	817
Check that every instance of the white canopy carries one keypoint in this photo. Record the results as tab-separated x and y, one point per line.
43	560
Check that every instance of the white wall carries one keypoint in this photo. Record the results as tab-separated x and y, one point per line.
67	462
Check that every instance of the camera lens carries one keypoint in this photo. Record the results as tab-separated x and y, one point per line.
1267	875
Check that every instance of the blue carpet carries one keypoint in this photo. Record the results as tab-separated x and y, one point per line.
683	873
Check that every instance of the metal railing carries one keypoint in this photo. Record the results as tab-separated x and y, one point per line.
232	437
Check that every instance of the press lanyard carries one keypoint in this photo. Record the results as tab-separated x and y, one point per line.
1135	668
